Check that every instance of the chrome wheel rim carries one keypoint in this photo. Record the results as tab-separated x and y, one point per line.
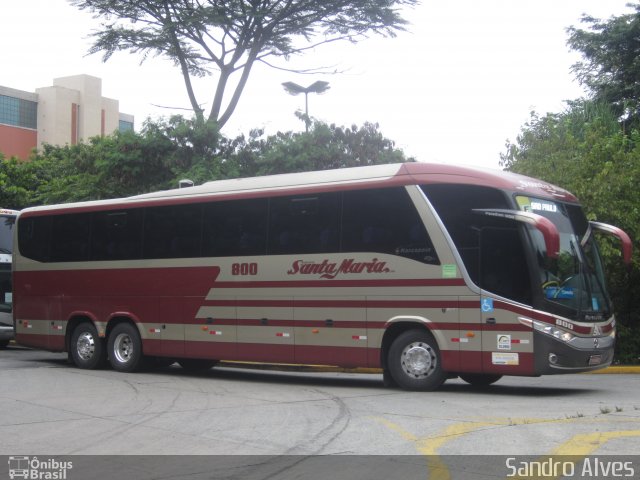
418	360
123	348
86	346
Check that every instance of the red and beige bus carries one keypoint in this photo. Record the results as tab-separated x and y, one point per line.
425	271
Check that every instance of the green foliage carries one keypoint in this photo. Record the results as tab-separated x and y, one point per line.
610	69
229	37
586	151
168	150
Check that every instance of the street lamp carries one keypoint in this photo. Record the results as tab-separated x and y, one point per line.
318	87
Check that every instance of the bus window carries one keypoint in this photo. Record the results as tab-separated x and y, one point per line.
308	224
173	232
117	235
385	221
34	236
503	264
235	228
70	238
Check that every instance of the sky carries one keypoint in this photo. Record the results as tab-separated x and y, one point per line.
453	88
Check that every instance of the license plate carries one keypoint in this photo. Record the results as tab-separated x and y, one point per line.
595	359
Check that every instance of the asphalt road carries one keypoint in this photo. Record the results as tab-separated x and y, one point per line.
49	406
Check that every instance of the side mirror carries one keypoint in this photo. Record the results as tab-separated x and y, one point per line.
627	246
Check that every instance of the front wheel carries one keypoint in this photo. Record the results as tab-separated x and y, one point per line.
414	361
125	348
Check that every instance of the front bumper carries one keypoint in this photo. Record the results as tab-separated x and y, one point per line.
582	354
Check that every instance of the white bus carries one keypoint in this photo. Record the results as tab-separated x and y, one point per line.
7	222
425	271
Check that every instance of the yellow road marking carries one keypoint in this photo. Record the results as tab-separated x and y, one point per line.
587	443
573	450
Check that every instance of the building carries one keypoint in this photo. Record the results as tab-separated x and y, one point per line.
70	111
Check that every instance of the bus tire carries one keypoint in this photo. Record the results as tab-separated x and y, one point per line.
125	348
480	379
196	364
87	349
415	362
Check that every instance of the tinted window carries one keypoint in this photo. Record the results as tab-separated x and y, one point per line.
117	235
305	224
235	228
6	233
385	221
70	234
173	232
454	204
503	264
34	237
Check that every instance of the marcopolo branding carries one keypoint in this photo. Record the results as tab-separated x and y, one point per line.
328	269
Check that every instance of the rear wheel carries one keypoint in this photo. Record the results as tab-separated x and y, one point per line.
87	348
415	362
480	379
125	348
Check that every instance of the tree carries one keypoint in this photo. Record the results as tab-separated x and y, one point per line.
585	150
610	68
200	36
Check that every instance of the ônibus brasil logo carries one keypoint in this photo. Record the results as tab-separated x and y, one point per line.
327	269
32	468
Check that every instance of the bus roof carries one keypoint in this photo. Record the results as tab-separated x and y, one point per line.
355	177
8	211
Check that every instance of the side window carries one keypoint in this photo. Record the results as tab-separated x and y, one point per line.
235	228
117	235
34	237
385	221
454	204
503	264
304	224
70	234
173	232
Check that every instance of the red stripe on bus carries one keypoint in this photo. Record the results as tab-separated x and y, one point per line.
410	282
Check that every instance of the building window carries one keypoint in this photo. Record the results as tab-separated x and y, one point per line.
125	126
18	112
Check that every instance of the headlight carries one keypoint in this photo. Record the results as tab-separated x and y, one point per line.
547	329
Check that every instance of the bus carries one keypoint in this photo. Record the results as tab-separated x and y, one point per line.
424	271
7	222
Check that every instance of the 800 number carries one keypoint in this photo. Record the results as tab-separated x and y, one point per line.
244	269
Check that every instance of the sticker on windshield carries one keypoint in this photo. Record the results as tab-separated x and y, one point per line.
559	292
544	207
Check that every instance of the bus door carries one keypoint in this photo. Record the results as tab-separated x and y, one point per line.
505	288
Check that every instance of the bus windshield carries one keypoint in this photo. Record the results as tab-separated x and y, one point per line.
6	233
573	282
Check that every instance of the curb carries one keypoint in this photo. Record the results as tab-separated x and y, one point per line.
617	369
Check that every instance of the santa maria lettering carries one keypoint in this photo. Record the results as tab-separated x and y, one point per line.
329	270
